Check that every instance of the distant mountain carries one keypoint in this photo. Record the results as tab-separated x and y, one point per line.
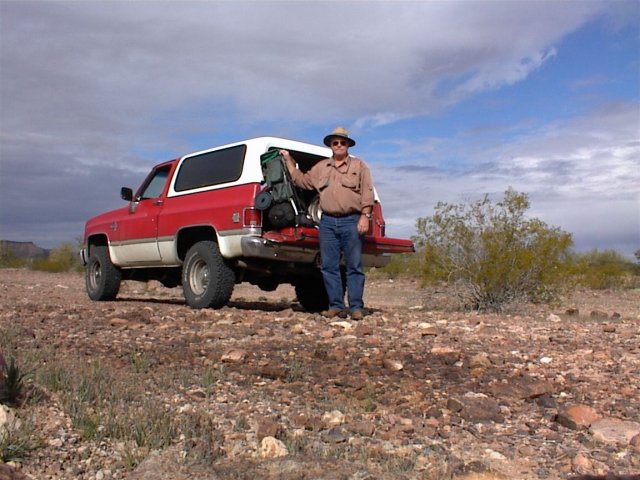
25	250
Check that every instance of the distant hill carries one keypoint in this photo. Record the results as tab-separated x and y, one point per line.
24	250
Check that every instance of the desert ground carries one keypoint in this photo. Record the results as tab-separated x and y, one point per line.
146	388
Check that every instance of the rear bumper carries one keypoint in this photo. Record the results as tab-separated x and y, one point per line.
258	247
301	245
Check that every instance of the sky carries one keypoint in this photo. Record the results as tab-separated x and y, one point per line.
447	101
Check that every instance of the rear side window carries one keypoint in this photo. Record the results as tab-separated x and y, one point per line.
211	168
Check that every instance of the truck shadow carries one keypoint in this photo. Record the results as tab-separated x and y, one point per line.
238	304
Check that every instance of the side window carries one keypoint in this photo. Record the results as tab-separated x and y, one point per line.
155	184
211	168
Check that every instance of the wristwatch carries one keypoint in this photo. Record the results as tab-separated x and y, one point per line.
368	215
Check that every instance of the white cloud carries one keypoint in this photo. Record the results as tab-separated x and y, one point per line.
93	92
580	174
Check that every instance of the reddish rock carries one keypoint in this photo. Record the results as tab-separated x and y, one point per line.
7	472
577	417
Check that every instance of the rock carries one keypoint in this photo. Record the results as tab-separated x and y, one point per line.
8	420
196	393
366	429
546	401
446	354
581	464
427	329
342	324
273	371
493	455
521	388
8	472
598	314
333	418
233	355
118	322
572	311
613	430
298	329
476	409
480	360
392	364
454	405
553	318
272	448
335	435
159	464
577	417
609	328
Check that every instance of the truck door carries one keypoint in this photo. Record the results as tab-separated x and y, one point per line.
139	230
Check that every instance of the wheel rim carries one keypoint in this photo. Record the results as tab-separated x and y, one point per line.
95	275
199	277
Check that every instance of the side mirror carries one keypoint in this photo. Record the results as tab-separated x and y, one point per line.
126	194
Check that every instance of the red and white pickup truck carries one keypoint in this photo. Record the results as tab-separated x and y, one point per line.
204	221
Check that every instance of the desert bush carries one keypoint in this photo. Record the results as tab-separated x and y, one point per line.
61	259
12	384
8	258
606	269
405	264
491	253
18	438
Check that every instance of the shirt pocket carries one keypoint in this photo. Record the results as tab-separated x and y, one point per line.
351	181
323	183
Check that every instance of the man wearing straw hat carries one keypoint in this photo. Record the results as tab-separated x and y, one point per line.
346	199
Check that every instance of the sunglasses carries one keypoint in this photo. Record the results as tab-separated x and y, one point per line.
335	143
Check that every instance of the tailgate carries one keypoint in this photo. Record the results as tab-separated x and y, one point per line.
308	237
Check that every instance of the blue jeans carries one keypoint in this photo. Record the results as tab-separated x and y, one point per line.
339	235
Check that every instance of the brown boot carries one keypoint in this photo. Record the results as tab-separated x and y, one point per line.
334	312
357	315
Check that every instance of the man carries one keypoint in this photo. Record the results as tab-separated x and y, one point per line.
346	199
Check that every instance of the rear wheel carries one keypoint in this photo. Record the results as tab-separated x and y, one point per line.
312	294
207	281
102	278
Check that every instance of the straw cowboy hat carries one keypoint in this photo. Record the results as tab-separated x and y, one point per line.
339	132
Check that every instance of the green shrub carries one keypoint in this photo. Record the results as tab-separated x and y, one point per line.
61	259
405	264
11	383
8	258
605	270
491	253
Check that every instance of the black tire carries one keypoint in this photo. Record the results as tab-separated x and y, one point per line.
207	281
312	294
102	278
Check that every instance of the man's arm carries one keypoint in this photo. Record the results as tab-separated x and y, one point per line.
366	199
302	180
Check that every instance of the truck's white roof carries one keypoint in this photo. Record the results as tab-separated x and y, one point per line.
265	143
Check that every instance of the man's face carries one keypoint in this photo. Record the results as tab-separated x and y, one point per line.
339	145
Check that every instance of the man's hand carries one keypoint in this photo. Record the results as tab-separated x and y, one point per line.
363	225
288	159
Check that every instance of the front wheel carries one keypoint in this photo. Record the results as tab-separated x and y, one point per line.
102	278
207	281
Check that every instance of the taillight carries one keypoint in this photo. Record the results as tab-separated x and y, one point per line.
252	217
